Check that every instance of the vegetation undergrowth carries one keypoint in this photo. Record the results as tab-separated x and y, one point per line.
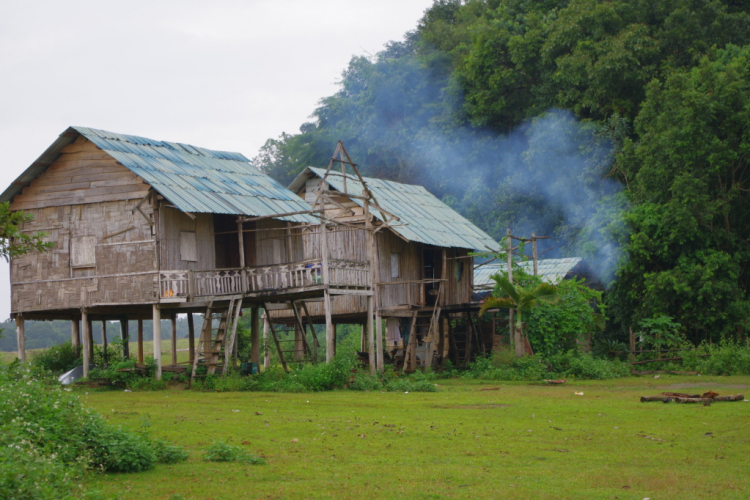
48	439
219	451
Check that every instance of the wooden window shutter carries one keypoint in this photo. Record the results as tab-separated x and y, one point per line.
188	246
83	251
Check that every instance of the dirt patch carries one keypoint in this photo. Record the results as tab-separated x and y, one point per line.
709	386
470	407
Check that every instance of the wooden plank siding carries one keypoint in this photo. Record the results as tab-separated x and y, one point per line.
82	174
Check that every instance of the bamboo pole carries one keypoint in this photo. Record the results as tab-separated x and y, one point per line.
173	337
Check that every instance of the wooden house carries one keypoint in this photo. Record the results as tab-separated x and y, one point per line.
419	251
149	229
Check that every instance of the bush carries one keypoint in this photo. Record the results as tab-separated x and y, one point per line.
57	359
47	438
726	358
219	451
167	453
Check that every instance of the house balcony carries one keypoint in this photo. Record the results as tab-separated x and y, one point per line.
273	282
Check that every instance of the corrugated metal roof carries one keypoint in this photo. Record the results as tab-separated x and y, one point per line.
194	179
552	271
423	217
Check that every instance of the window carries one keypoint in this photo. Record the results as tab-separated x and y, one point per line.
459	269
395	271
188	246
83	251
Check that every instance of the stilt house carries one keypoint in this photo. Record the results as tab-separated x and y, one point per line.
149	229
419	250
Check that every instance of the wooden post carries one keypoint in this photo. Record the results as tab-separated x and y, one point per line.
125	334
289	247
363	338
86	325
104	342
255	336
140	339
173	337
267	353
156	314
534	254
91	340
515	334
241	240
191	337
75	336
330	334
299	349
21	337
371	333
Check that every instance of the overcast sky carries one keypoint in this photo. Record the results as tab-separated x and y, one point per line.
223	75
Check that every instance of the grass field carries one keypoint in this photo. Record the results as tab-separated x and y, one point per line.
469	440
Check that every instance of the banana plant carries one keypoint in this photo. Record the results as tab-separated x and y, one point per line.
520	300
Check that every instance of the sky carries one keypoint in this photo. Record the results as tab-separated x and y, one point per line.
225	75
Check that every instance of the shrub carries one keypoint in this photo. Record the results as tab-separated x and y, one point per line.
25	475
112	449
219	451
167	453
57	359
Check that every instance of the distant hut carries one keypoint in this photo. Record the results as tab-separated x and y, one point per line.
421	265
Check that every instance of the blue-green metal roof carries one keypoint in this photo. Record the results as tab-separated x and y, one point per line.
552	271
193	179
423	217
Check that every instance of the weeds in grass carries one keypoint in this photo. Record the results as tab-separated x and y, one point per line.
167	453
219	451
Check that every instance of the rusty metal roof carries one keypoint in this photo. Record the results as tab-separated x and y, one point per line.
552	271
423	217
194	179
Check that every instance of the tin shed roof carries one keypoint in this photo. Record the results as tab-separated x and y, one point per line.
194	179
424	218
552	271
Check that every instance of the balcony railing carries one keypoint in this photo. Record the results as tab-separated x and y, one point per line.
180	285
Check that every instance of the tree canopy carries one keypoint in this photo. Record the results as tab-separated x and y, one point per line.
618	127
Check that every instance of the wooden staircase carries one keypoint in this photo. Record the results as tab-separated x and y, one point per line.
426	326
217	343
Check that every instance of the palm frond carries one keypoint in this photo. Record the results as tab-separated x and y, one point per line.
508	287
496	303
546	293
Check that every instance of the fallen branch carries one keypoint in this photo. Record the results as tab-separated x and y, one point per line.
648	399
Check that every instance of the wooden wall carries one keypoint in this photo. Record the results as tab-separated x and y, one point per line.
172	222
82	174
410	266
124	266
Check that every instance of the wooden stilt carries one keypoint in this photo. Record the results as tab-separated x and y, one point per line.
21	338
371	334
140	340
233	315
173	338
191	337
379	341
255	336
91	340
363	338
125	335
275	338
267	350
301	347
156	314
330	338
86	324
315	343
75	336
104	343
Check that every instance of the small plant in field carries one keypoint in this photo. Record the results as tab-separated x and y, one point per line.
167	453
219	451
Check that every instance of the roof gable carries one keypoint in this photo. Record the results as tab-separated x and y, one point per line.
193	179
424	218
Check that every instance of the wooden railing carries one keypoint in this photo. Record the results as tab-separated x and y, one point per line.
180	285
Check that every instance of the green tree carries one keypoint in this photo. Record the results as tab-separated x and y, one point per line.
15	242
513	297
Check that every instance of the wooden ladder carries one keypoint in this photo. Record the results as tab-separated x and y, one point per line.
217	343
431	323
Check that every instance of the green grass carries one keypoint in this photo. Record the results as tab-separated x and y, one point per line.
520	441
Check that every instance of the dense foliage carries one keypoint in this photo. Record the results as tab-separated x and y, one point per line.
48	439
618	127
